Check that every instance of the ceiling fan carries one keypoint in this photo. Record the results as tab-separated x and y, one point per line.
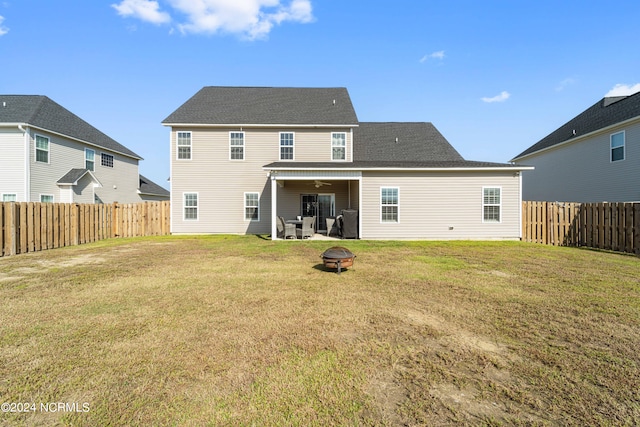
319	184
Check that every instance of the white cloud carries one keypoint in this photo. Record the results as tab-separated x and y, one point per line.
435	55
3	30
252	19
623	90
563	84
504	95
146	10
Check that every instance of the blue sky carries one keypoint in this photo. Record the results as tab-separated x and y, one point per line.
493	76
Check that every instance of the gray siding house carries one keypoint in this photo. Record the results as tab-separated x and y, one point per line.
594	157
243	156
51	155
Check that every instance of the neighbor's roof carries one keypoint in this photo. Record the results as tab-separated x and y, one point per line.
604	113
41	112
151	188
216	105
401	142
73	176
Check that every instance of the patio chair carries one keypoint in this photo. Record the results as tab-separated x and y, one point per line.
332	226
286	230
307	227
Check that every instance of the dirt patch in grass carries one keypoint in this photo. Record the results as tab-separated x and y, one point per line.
228	330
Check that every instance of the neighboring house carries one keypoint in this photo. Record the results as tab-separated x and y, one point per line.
149	191
594	157
241	156
51	155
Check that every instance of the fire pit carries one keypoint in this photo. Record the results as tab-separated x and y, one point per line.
338	257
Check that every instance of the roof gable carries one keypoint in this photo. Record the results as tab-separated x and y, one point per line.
74	175
219	105
604	113
42	112
401	142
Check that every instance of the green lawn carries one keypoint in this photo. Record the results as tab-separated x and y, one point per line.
228	330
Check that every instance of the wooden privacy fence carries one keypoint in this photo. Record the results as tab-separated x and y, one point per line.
611	226
29	226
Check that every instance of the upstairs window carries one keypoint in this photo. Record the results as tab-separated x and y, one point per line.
89	159
617	146
491	204
338	146
184	145
42	149
286	145
106	160
389	204
251	206
236	145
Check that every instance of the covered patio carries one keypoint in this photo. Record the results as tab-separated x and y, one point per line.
307	193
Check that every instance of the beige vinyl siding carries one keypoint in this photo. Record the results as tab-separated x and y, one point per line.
63	155
582	171
221	182
83	192
311	145
12	163
119	183
440	205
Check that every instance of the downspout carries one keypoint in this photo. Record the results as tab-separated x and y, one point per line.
520	203
27	164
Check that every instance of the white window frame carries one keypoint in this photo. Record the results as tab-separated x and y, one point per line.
102	160
86	159
344	147
47	195
195	207
243	146
184	145
499	205
292	146
623	146
251	206
6	196
396	205
47	150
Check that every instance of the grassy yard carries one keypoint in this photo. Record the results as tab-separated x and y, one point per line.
232	330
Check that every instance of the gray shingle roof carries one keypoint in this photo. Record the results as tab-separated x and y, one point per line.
437	164
215	105
401	142
72	176
151	188
42	112
602	114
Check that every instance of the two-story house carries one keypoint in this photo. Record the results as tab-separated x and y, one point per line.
51	155
594	157
242	156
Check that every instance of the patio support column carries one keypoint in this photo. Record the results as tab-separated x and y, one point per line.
360	207
274	207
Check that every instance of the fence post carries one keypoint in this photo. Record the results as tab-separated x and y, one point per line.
10	229
636	229
115	232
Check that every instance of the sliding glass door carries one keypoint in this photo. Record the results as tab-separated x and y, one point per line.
319	205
